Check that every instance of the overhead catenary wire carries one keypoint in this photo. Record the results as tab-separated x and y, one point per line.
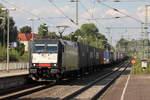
55	17
61	11
123	1
94	5
94	2
121	12
30	13
85	8
24	10
92	16
110	18
89	13
66	15
82	5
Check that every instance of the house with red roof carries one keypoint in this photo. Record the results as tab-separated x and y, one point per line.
25	38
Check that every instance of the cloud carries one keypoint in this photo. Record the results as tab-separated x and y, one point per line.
95	12
45	10
84	17
112	13
140	12
90	16
53	11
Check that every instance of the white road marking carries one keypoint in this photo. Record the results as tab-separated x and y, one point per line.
124	90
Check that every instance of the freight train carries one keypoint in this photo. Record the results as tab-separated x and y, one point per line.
54	58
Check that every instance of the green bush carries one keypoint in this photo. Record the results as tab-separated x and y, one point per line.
14	54
24	57
20	48
137	68
3	53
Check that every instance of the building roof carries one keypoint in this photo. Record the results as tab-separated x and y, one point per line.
26	36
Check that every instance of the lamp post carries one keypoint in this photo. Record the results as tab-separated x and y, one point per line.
146	31
32	20
7	11
77	15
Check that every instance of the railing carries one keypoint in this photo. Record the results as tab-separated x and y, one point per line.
15	66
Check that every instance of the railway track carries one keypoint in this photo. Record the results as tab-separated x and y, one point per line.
26	89
30	88
86	93
50	89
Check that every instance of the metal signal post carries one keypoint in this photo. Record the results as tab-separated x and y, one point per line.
7	11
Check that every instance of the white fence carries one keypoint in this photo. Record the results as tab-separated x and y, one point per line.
14	66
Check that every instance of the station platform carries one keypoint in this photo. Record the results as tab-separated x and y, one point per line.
12	73
129	87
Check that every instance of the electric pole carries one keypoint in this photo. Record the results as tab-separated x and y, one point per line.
109	29
77	1
146	32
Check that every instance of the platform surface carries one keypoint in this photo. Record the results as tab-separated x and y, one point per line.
10	73
138	88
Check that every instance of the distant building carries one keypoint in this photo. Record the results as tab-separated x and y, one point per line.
25	38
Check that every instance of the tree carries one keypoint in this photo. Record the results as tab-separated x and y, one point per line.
13	31
42	30
3	27
122	44
26	29
89	29
52	35
78	33
89	34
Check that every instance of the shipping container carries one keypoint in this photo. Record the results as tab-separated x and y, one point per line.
70	56
115	56
97	57
101	56
106	57
83	55
90	56
111	54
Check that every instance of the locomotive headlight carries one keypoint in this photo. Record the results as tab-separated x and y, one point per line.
34	65
54	64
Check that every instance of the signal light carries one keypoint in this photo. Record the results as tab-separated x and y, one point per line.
44	65
54	64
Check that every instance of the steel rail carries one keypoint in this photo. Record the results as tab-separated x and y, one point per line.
99	94
79	91
28	90
23	91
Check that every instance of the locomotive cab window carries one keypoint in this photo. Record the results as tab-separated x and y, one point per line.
51	48
39	47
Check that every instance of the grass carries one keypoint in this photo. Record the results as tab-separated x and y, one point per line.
14	55
24	57
137	68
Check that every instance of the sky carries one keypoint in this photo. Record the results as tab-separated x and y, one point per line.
100	12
